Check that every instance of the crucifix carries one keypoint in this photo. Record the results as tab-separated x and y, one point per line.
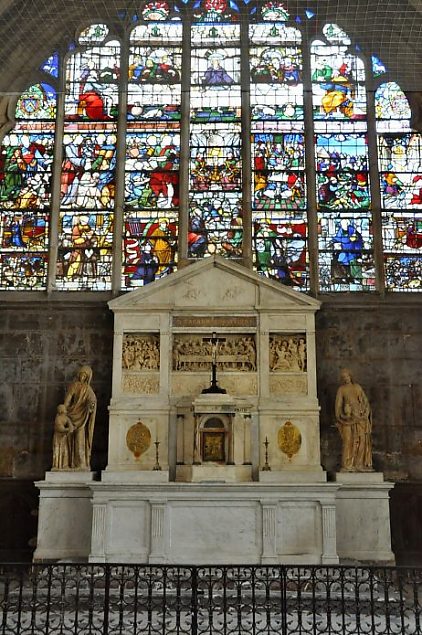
214	387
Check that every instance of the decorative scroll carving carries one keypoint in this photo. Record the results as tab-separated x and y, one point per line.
192	354
140	384
287	353
281	385
289	439
141	352
138	439
213	321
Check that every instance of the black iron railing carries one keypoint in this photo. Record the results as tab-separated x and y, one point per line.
70	599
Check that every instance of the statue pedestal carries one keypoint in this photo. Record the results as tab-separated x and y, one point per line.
65	516
363	517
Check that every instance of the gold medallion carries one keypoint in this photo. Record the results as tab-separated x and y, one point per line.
289	439
138	439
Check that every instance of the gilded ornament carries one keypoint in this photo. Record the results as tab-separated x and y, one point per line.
138	439
289	439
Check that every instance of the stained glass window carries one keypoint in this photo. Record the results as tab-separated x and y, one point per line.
279	218
400	169
201	127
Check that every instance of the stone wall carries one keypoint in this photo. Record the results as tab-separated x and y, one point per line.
44	342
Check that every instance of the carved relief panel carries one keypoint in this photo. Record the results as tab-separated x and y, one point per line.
232	353
140	363
288	363
287	353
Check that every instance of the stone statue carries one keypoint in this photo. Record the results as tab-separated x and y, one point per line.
74	423
354	422
61	439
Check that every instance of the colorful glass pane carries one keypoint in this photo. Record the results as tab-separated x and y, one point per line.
93	34
342	171
51	65
274	11
335	34
37	102
154	76
276	72
215	162
215	11
88	167
345	257
215	203
278	162
378	68
280	248
400	165
27	159
157	10
92	84
403	273
149	247
391	108
337	83
215	224
84	251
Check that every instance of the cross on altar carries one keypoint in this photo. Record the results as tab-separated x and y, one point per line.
214	387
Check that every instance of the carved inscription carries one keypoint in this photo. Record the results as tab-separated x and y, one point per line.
184	321
141	352
287	353
234	353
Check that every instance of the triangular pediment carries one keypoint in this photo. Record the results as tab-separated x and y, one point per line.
214	283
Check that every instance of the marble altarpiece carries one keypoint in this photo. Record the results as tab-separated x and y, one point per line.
184	459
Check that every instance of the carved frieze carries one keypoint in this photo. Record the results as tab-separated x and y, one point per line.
238	385
140	384
140	352
234	353
287	353
285	384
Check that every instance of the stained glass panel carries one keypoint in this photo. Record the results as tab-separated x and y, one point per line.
280	248
342	171
93	33
391	108
345	258
51	65
37	102
337	79
85	251
215	202
26	160
149	247
92	84
152	147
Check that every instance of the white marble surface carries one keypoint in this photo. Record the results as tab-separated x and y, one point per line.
211	523
363	520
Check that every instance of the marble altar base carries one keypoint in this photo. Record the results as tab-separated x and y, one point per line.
210	523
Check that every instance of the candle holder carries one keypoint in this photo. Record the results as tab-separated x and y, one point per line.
157	466
267	467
